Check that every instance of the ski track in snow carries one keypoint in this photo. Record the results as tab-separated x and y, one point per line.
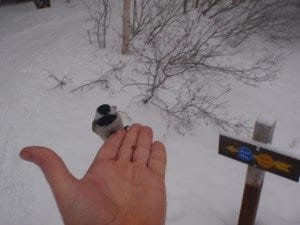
14	181
14	186
20	55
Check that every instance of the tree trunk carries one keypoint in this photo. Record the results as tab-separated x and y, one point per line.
126	24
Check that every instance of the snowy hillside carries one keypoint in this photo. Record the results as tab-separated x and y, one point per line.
203	187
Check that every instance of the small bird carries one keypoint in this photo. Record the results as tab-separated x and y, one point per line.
107	120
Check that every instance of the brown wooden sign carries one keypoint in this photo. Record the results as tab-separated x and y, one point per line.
259	156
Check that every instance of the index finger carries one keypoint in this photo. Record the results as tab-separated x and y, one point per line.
110	148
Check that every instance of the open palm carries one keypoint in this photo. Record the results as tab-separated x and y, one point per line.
124	185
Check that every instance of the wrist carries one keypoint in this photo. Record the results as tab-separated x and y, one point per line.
136	218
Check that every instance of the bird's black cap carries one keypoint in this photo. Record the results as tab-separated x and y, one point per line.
103	109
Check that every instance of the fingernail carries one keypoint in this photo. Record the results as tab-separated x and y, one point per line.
135	126
25	155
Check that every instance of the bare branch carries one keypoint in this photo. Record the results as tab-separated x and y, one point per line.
103	80
99	12
60	82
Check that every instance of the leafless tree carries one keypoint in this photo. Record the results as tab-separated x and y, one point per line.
99	14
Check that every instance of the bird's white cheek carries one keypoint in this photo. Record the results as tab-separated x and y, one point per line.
113	110
100	131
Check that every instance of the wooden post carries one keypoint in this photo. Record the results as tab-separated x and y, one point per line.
263	132
126	27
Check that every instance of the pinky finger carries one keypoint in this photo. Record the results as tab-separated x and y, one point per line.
158	158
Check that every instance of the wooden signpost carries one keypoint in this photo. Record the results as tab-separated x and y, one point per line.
260	158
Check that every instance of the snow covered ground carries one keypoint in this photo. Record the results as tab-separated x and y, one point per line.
203	187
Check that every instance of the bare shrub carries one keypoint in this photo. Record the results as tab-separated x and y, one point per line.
103	80
152	17
185	62
99	12
181	56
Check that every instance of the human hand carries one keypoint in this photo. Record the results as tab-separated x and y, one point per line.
123	186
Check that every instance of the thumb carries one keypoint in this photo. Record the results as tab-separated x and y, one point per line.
53	167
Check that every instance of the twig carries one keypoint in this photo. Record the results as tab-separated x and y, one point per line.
60	82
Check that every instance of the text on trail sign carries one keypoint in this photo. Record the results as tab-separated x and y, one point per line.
260	157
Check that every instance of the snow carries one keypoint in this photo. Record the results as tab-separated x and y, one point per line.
203	188
266	119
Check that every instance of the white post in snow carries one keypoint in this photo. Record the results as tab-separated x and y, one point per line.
263	132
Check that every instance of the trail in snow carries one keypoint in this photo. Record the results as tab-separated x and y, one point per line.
21	56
